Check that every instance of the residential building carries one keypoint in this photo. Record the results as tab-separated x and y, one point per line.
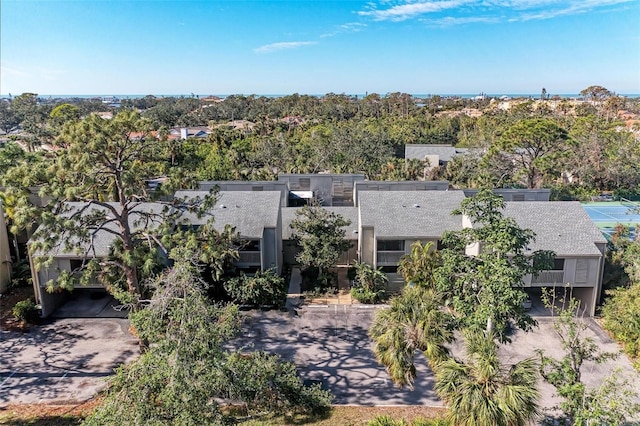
386	218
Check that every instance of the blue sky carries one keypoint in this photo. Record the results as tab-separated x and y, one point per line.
315	47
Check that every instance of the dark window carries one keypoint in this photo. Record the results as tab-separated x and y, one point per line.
390	245
256	188
439	245
76	264
251	245
558	265
389	269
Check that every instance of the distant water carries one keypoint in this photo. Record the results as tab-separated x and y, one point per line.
359	95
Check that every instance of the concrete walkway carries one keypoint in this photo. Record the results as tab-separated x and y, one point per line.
293	294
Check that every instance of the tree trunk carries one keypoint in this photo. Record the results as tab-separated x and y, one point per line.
490	327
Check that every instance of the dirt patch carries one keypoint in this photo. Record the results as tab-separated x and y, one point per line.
7	302
47	414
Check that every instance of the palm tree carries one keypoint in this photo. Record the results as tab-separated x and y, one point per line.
414	322
418	266
483	391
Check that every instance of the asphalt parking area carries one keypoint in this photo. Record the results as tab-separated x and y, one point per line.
330	345
63	361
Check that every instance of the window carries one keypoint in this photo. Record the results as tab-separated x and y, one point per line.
389	269
439	245
256	188
558	265
76	264
390	245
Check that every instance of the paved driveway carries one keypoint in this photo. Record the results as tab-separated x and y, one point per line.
63	361
67	360
331	344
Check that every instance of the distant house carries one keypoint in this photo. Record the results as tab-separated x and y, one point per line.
437	154
184	133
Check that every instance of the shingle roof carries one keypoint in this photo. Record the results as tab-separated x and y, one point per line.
349	213
561	226
420	151
103	238
410	214
248	211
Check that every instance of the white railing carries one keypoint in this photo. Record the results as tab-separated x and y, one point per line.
549	277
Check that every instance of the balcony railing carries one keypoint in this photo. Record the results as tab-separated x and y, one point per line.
249	257
389	258
549	277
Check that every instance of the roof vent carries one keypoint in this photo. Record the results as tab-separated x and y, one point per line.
417	206
222	206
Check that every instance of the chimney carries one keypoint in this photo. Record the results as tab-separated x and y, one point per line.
184	133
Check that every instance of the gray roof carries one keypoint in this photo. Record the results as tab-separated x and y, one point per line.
248	211
561	226
420	151
410	214
349	213
103	238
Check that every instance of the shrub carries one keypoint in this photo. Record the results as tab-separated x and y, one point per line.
25	310
263	288
386	421
369	284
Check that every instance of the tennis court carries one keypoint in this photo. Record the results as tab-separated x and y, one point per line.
607	215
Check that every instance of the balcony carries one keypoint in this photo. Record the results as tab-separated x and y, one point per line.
249	257
549	278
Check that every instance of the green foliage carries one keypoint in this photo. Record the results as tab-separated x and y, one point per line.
25	310
621	312
486	290
390	421
386	421
621	316
613	402
187	370
414	322
418	267
262	288
265	382
369	284
536	144
483	391
320	235
572	192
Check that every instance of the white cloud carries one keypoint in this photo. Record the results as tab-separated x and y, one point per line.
409	10
351	27
455	12
273	47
